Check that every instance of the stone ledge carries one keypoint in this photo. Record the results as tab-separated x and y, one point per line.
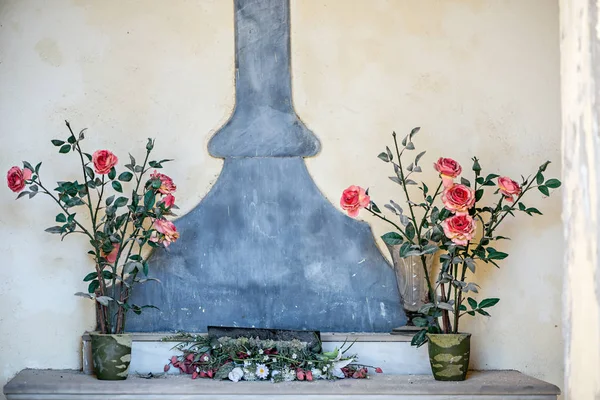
31	384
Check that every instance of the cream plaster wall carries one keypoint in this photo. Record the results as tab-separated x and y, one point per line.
480	77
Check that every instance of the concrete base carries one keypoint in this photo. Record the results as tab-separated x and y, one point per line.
392	353
66	385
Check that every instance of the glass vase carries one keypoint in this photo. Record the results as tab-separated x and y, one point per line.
410	277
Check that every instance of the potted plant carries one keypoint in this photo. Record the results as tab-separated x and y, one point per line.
460	231
119	229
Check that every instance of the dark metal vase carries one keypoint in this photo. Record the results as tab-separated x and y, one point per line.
111	355
449	355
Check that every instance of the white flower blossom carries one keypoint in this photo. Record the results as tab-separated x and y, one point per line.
325	368
289	375
262	371
294	356
316	373
266	358
310	363
260	351
236	374
249	353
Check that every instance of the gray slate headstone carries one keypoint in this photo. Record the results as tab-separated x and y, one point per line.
264	248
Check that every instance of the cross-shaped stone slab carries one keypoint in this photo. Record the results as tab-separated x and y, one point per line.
264	248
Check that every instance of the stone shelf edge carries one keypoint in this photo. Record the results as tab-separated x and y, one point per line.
31	384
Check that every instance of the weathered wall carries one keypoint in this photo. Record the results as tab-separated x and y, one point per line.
580	71
480	77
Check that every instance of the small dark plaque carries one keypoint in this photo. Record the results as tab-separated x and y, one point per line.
313	338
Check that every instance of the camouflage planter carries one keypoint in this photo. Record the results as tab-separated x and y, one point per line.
111	355
449	355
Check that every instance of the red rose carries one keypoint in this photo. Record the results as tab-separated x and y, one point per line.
379	370
508	188
458	199
300	375
353	199
459	228
103	161
16	177
448	169
166	183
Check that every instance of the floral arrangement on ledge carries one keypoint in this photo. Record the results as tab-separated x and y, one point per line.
253	359
118	227
460	230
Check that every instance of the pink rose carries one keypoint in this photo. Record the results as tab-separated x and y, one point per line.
16	178
166	233
508	188
448	169
169	201
112	256
103	161
458	199
300	375
166	183
459	228
353	199
309	376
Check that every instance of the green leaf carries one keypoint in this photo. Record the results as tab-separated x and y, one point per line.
418	157
65	149
430	249
112	173
89	172
392	238
121	201
410	146
117	186
478	194
71	139
419	339
522	206
145	268
61	218
544	190
465	181
497	255
410	231
93	286
57	142
552	183
533	210
483	312
414	131
539	178
106	274
110	199
472	302
488	302
125	176
90	276
375	208
149	199
420	322
54	230
384	157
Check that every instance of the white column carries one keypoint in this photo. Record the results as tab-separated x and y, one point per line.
580	71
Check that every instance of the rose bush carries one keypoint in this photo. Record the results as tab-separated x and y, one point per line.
117	227
461	232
